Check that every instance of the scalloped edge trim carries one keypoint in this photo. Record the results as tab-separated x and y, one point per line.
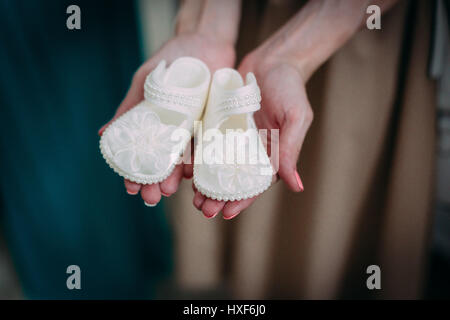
147	180
120	172
229	197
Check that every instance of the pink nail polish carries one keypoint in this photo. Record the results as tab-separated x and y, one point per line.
100	131
299	181
229	218
210	217
131	193
165	194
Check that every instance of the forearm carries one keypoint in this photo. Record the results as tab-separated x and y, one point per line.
317	31
216	18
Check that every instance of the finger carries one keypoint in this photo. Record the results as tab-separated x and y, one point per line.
292	135
132	98
198	201
188	170
132	187
212	207
151	194
233	208
170	185
134	95
198	198
188	160
102	129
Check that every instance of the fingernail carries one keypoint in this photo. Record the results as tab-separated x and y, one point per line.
210	217
165	194
231	217
100	131
149	204
132	194
299	181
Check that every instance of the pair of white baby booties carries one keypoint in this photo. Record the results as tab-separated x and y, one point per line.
230	161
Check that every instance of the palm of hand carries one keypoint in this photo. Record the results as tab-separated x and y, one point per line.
284	107
216	54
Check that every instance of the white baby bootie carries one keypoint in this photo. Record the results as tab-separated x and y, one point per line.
145	143
231	162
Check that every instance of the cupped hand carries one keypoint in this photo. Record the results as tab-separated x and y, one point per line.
285	107
216	54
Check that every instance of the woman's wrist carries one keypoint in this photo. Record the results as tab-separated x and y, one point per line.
217	20
314	34
299	48
264	59
187	17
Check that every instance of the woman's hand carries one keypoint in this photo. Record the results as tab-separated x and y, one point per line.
205	30
283	65
216	54
285	107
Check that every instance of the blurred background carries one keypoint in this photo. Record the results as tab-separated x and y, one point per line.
377	184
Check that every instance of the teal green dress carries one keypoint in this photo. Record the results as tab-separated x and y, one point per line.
61	204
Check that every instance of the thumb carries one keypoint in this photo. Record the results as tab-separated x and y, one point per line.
134	95
292	134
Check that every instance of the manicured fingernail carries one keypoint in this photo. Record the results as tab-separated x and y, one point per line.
231	217
100	131
165	194
132	194
149	204
210	217
299	181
